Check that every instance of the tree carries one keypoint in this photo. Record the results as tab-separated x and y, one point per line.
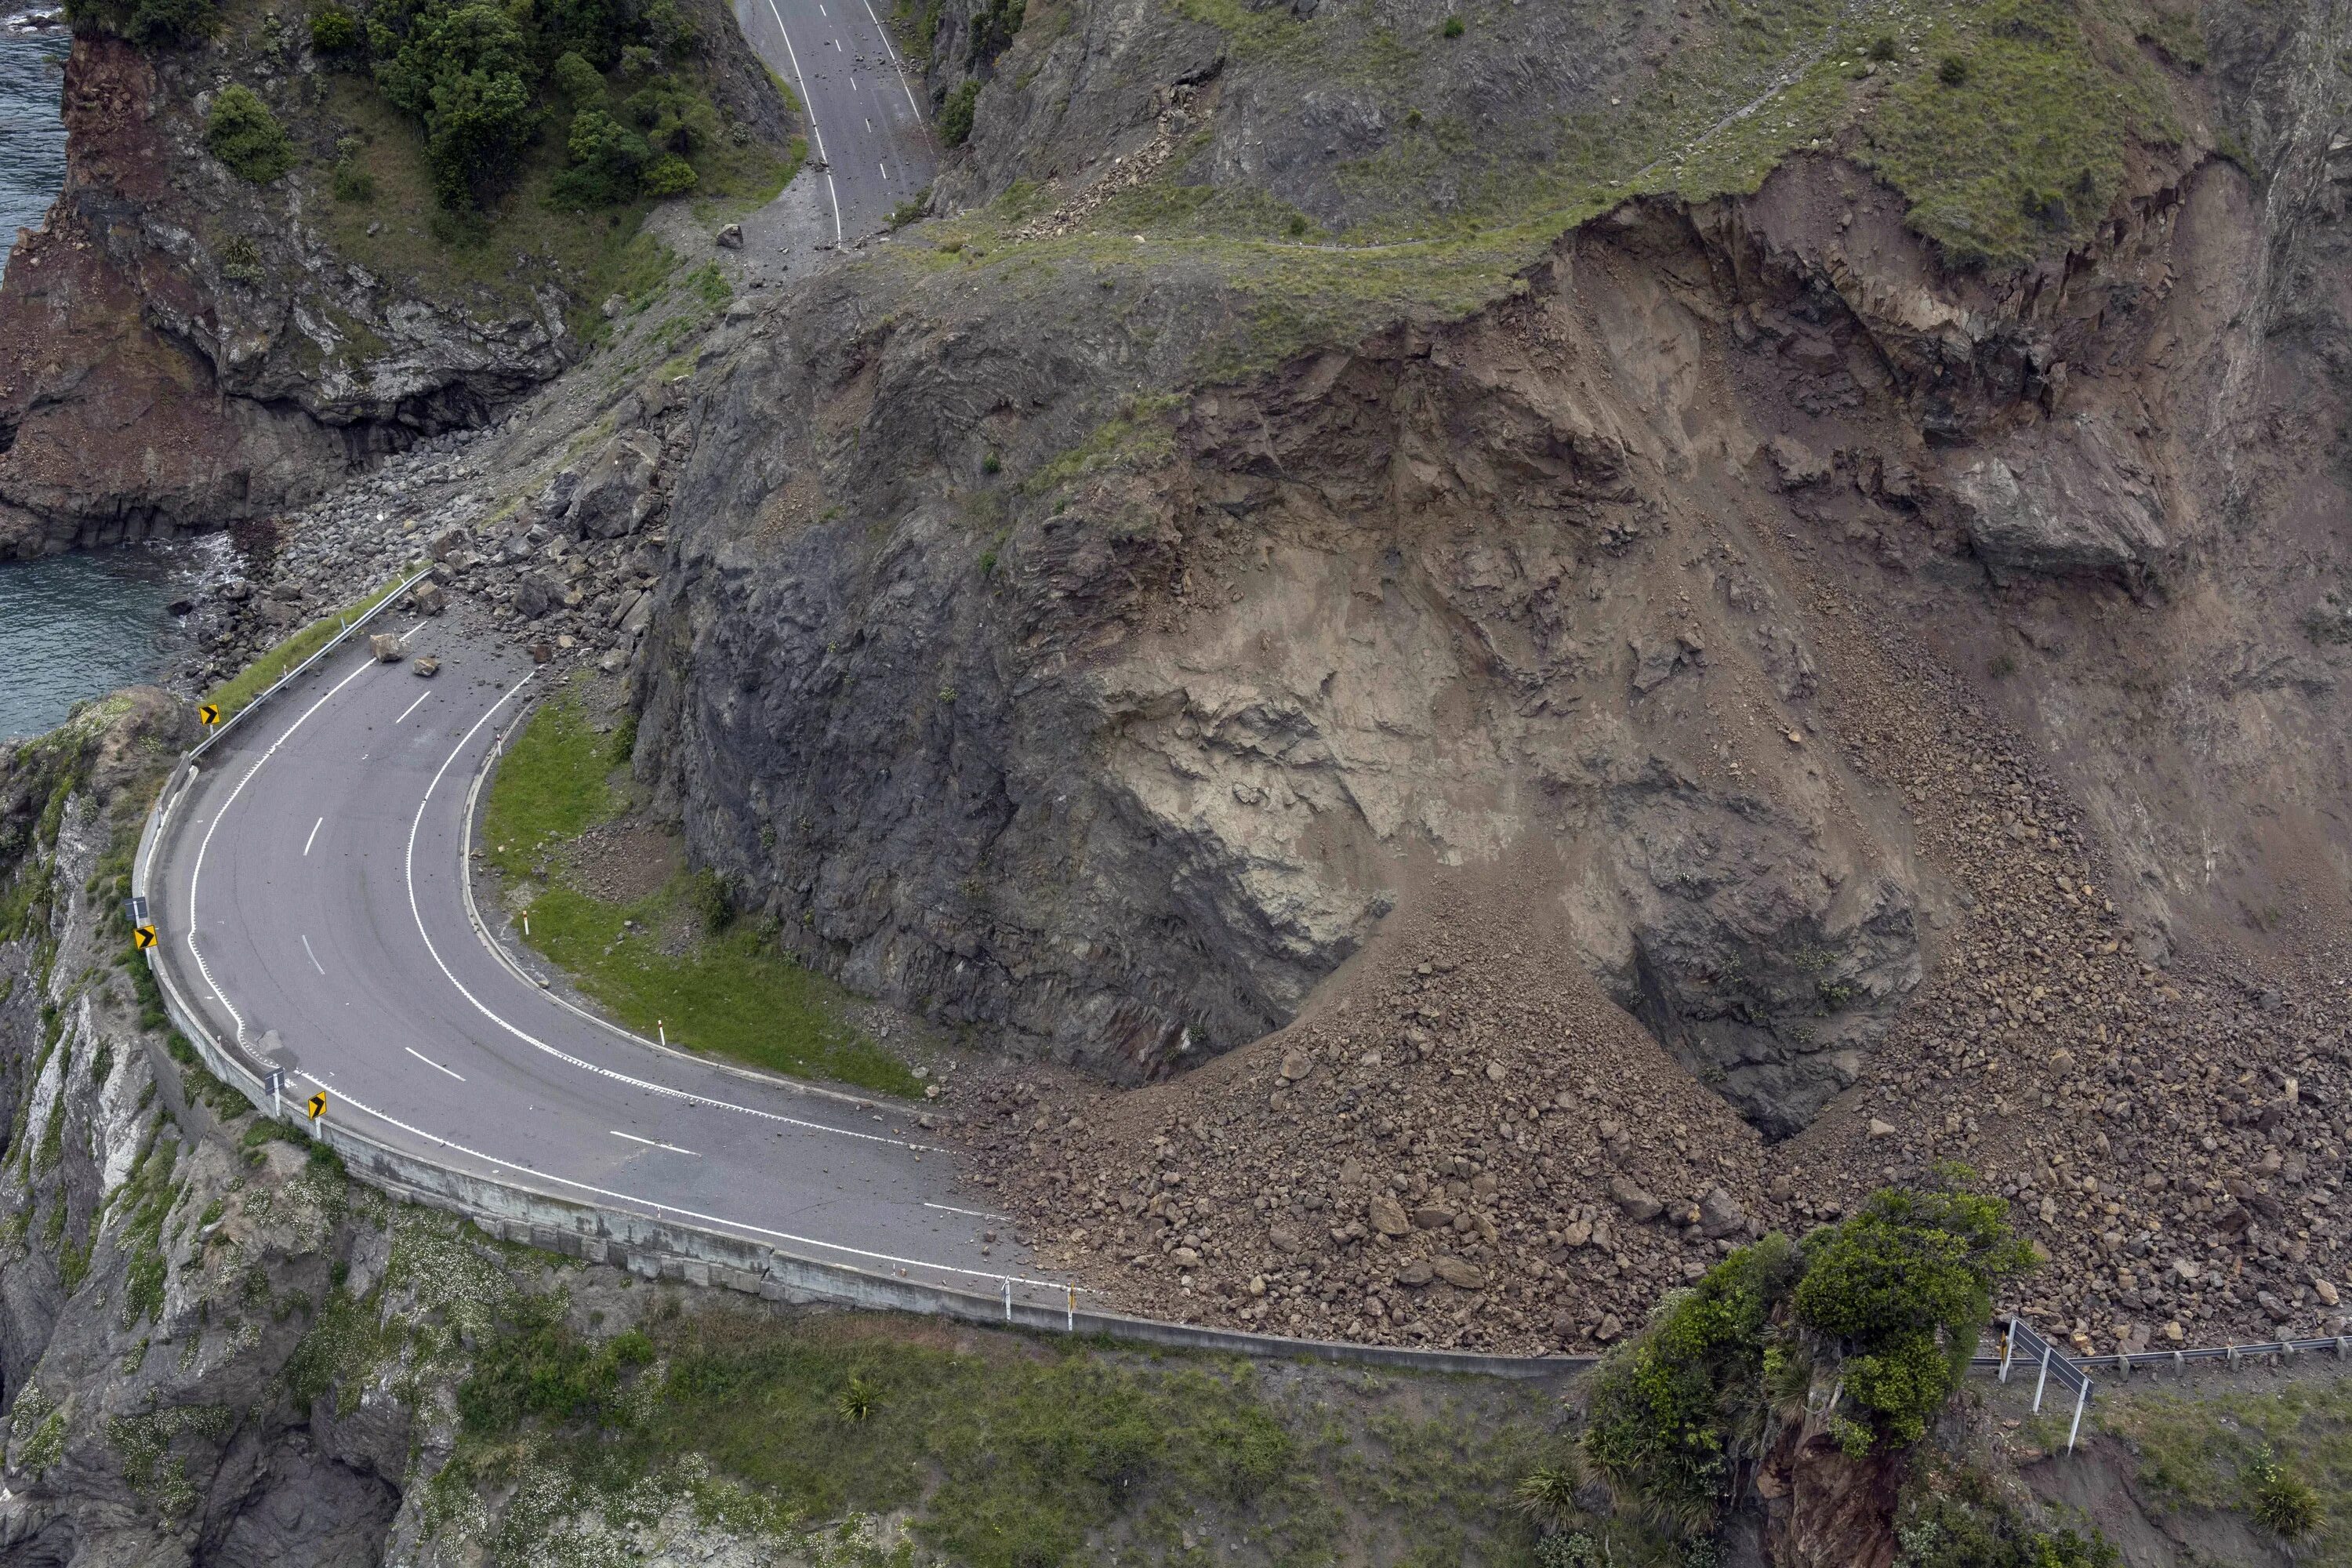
576	79
466	72
241	132
1905	1286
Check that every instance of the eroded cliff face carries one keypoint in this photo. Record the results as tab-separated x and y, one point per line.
1022	690
183	348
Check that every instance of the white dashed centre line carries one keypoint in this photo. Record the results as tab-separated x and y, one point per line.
652	1142
412	707
976	1214
314	957
314	834
428	1061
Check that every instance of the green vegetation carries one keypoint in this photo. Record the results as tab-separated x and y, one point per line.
241	132
150	23
675	960
501	253
2019	139
1884	1305
551	786
1953	1518
334	31
2282	1458
263	673
955	114
1007	1454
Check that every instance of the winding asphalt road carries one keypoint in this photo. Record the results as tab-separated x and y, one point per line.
311	889
867	139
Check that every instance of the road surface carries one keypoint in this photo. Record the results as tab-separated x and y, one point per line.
867	139
311	889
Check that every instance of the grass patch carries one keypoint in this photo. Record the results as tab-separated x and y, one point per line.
2016	141
1013	1455
732	993
234	694
2245	1452
672	962
551	786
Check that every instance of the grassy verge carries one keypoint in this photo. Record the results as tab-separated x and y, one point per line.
671	960
2221	1449
265	672
1001	1453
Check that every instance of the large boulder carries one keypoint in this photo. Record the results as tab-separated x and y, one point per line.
2070	507
615	495
535	594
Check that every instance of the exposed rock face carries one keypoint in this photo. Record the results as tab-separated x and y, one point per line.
2072	509
183	349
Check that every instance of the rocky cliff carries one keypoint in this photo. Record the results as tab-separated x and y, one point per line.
1843	559
185	347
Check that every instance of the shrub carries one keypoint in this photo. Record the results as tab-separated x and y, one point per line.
670	175
1547	1494
674	119
955	115
335	31
1905	1286
354	184
1882	49
2281	1501
240	259
1670	1410
606	159
1952	70
576	79
242	133
993	27
1453	29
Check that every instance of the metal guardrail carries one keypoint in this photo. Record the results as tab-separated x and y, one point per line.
407	1175
2021	1345
519	1210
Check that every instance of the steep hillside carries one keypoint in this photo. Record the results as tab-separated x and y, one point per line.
258	276
1840	555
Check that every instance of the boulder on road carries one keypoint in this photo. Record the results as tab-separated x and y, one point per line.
385	647
428	667
427	599
535	595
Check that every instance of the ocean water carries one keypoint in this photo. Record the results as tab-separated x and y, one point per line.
32	138
74	626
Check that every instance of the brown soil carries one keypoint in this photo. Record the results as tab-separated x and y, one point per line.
622	860
2171	1136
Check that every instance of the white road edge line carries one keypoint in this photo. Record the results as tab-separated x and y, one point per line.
314	957
417	910
428	1061
196	873
808	107
784	1236
314	836
412	707
891	50
651	1143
